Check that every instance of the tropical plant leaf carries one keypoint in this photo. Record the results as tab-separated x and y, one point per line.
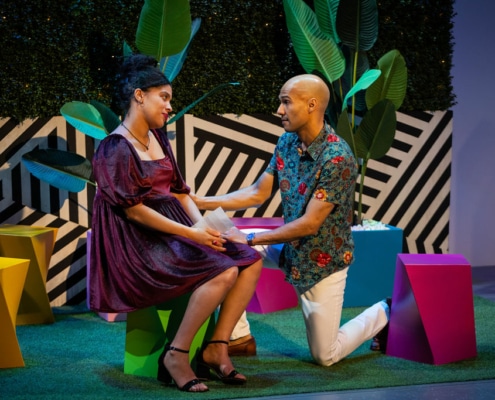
171	65
392	84
357	23
126	49
110	119
314	49
164	27
363	83
326	15
84	117
190	106
376	132
61	169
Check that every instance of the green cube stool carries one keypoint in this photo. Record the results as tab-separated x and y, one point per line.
150	328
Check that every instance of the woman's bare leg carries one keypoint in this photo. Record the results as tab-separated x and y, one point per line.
202	303
231	310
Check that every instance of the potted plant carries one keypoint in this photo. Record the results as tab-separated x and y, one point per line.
332	41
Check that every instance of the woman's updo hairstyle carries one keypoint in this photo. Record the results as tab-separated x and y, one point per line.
137	71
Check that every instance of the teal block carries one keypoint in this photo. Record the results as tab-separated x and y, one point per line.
150	328
371	275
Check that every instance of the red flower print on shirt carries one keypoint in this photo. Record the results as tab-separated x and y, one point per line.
320	194
284	185
280	163
346	173
332	138
347	257
323	259
337	159
302	188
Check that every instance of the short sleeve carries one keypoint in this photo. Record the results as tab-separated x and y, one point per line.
337	180
117	170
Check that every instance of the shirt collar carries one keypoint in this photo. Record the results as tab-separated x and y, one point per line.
315	148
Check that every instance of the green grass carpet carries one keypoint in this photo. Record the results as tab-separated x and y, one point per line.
82	356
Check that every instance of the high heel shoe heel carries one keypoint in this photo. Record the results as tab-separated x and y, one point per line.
203	368
163	375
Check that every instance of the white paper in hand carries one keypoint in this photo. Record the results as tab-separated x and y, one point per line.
217	220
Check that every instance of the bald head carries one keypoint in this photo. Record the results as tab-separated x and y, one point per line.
308	86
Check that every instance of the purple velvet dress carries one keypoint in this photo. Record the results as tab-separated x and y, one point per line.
134	267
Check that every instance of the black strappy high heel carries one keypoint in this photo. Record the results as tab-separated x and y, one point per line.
203	368
164	376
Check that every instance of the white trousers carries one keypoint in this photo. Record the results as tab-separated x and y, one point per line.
322	310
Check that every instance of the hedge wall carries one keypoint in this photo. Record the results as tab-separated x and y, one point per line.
62	50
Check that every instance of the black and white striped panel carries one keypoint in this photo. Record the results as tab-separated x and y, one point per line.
410	186
25	200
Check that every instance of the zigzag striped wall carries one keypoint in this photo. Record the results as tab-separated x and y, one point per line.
408	188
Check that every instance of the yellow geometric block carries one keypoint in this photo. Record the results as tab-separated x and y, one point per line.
35	243
13	272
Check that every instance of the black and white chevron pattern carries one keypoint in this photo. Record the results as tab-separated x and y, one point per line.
408	188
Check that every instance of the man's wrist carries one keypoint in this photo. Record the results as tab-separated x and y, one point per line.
249	238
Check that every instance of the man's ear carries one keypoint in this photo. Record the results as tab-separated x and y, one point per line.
312	104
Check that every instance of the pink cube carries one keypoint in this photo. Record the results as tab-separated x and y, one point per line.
432	317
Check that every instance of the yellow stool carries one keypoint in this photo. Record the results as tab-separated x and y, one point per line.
36	244
13	272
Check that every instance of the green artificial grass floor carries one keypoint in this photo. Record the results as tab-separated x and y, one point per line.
82	356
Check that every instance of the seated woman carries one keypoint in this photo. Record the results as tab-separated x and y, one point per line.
144	248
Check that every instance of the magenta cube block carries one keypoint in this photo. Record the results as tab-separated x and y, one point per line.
272	292
432	317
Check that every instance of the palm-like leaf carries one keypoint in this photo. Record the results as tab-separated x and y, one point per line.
392	84
190	106
315	50
357	23
110	119
326	14
362	84
62	169
164	27
84	117
171	65
376	132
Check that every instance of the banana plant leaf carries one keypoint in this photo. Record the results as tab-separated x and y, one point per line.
171	65
84	117
344	130
110	119
314	49
326	14
193	104
357	23
164	27
362	84
61	169
392	83
376	132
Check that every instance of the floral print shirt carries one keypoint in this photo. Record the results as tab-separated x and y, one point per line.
327	171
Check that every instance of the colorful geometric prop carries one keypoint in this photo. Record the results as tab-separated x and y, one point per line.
272	292
13	272
371	276
432	317
149	329
36	244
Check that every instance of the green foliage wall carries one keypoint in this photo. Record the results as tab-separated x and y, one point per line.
55	51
